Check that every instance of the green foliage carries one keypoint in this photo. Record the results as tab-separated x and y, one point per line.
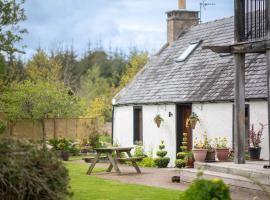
12	12
137	61
202	189
63	144
43	68
105	139
27	172
93	85
38	101
181	155
162	161
147	162
3	126
139	151
161	153
180	163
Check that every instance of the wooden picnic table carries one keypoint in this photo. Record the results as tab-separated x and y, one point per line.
114	161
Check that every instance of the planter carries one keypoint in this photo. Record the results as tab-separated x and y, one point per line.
199	154
64	155
158	122
255	153
190	163
223	154
211	156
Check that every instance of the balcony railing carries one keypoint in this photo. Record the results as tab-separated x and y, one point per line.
255	20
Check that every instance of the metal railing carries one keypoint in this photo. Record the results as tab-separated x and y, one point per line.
255	20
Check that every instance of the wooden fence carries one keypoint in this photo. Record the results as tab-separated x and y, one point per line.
68	128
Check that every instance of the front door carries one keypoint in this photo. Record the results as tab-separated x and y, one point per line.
183	112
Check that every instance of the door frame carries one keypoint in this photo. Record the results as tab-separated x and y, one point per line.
179	126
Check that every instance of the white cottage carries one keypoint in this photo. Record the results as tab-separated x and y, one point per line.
183	77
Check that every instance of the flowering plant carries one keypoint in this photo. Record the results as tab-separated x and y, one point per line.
255	137
207	142
199	144
221	143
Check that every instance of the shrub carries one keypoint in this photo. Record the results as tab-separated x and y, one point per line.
180	163
65	145
162	161
202	189
147	162
161	153
94	140
29	172
139	151
181	155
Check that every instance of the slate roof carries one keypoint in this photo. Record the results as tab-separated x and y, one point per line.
203	76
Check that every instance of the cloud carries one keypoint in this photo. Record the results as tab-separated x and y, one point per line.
118	23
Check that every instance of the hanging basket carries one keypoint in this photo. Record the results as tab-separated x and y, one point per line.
158	120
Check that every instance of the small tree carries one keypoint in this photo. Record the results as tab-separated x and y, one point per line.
12	13
162	161
39	101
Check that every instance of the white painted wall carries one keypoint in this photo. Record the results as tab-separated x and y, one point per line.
123	126
215	119
152	135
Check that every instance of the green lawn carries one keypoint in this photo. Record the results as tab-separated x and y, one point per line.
92	188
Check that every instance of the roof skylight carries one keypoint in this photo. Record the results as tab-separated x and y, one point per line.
188	51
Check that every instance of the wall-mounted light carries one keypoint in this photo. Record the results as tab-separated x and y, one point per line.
170	114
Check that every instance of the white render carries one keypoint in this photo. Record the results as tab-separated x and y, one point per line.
216	119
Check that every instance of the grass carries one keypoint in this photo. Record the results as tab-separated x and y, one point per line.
89	187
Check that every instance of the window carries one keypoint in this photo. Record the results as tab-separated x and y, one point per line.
138	128
188	51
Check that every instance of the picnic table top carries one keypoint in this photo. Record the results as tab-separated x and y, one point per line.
114	149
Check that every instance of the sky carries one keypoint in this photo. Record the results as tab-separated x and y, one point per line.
115	24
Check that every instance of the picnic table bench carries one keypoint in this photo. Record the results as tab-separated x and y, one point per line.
114	161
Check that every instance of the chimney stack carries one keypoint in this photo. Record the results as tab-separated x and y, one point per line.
179	21
182	4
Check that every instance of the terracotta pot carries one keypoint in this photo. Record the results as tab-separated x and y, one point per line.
254	153
199	154
223	154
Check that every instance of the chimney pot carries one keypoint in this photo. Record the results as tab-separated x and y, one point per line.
182	4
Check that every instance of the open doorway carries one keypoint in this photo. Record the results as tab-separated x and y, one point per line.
183	111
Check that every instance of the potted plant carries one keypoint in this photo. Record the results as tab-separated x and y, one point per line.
199	151
180	162
162	161
189	159
192	120
222	148
255	139
63	147
211	153
158	119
